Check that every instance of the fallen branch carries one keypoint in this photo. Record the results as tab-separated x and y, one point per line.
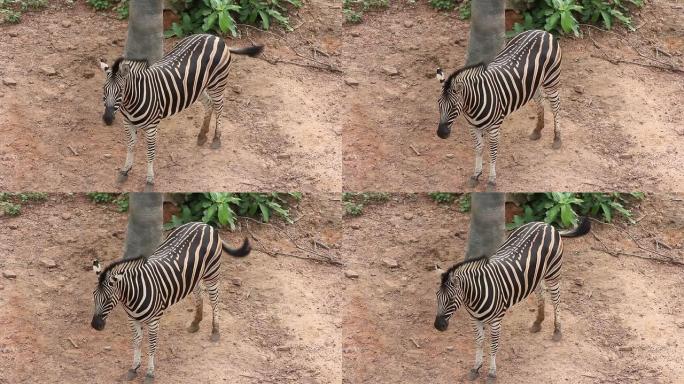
72	150
616	61
327	67
414	149
415	343
72	342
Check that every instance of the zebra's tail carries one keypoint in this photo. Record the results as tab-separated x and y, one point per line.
582	228
237	252
252	51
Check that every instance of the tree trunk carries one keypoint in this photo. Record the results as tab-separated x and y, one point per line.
487	223
145	213
487	30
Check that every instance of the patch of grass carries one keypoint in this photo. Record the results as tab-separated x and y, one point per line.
32	196
119	6
355	202
10	209
11	203
11	10
119	200
353	10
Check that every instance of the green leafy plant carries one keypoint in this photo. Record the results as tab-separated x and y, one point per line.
11	10
219	16
120	200
564	208
355	202
11	203
464	203
32	196
121	7
464	10
443	197
443	5
219	208
353	10
10	209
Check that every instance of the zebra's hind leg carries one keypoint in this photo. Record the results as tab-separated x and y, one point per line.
152	329
554	99
194	326
136	328
476	133
216	96
536	326
493	140
208	110
213	289
151	139
478	328
554	289
131	137
495	332
536	134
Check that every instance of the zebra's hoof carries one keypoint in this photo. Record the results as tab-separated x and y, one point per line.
131	374
149	186
473	374
536	327
556	143
491	185
491	378
194	327
201	140
216	143
149	379
535	135
215	337
121	177
557	335
472	182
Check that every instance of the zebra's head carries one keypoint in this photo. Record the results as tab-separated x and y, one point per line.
112	92
449	299
104	295
450	103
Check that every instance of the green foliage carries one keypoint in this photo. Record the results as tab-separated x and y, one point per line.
443	197
464	10
121	7
100	5
560	16
219	208
10	209
218	16
563	208
355	202
11	203
353	10
464	203
443	5
11	10
32	196
120	200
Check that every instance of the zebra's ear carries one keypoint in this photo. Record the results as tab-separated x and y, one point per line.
103	65
96	267
440	75
124	69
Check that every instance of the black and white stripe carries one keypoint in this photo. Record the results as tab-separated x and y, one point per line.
196	68
190	254
487	287
527	68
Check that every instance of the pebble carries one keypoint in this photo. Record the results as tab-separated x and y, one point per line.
48	70
408	216
13	33
408	23
283	156
107	155
390	263
579	89
66	216
351	274
354	34
355	226
449	155
237	89
390	71
236	281
108	348
13	226
88	74
626	156
625	349
283	348
9	274
49	263
351	82
579	282
9	81
66	23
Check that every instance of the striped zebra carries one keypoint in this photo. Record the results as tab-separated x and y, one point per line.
488	286
196	68
527	68
147	287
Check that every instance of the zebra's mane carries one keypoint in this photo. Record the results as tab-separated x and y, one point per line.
118	61
107	269
447	83
445	275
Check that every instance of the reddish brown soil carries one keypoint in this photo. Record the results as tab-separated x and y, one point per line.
281	130
608	302
281	302
621	123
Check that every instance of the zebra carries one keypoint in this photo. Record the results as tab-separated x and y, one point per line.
196	68
527	68
147	287
530	257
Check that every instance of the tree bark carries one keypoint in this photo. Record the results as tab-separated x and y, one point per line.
145	212
487	223
487	30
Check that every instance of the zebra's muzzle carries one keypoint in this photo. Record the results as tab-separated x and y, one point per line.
443	131
108	116
441	323
98	323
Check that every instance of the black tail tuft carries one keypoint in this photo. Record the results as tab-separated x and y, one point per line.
252	51
582	228
238	252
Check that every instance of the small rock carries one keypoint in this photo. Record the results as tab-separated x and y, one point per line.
236	281
88	74
107	155
351	274
13	226
49	263
408	23
66	216
355	226
449	155
579	282
626	156
450	348
2	287
390	71
108	348
48	70
66	23
8	81
13	33
9	274
408	216
283	156
353	33
283	348
390	263
625	349
351	82
579	89
236	89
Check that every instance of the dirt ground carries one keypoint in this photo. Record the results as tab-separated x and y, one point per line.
281	128
621	123
621	314
280	318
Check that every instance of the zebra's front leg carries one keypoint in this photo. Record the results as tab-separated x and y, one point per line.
151	139
554	99
131	137
536	326
213	289
478	328
194	326
153	328
208	110
495	332
536	134
554	289
476	133
136	328
493	140
217	98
